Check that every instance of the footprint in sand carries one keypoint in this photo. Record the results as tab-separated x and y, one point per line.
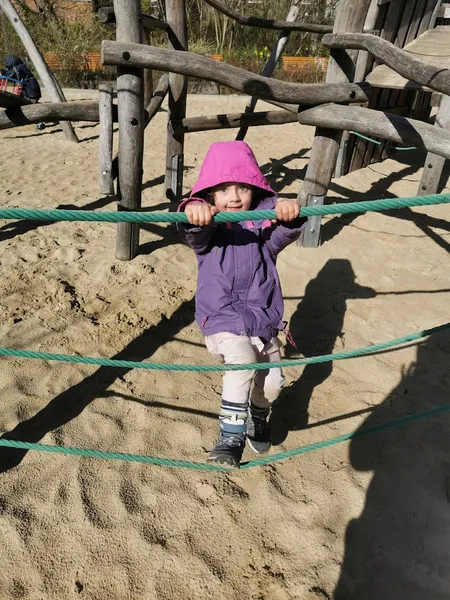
67	255
204	490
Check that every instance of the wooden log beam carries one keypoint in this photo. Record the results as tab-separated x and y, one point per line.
267	23
389	126
194	65
9	100
76	111
383	125
232	120
397	59
51	113
293	108
107	15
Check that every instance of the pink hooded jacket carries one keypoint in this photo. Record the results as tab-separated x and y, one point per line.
230	162
238	289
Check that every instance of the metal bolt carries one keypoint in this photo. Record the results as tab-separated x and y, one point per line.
312	230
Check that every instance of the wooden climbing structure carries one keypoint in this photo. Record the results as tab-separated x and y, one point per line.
388	59
422	29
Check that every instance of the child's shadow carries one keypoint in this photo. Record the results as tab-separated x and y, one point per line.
315	327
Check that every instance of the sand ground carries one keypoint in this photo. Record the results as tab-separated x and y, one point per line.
365	519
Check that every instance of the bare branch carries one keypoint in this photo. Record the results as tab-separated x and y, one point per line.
267	23
107	15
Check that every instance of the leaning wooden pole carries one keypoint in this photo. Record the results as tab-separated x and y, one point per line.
176	19
38	61
350	16
130	99
269	67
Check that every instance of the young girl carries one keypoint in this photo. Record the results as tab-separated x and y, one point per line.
239	304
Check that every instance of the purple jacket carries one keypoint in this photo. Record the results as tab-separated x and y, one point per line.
238	288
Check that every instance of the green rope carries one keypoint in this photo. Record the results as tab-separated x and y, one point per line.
133	364
368	139
168	462
130	217
222	217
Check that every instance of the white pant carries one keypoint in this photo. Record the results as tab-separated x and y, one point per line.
237	385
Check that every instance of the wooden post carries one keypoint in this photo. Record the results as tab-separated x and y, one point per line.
434	164
269	68
350	17
105	109
360	74
130	99
154	105
39	63
176	19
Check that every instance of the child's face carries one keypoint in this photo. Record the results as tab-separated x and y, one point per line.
232	196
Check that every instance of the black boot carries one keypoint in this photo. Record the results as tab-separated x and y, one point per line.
231	442
258	429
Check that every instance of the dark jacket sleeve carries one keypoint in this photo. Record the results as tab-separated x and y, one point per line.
198	238
281	233
31	88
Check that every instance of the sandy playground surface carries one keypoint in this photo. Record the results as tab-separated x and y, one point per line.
364	519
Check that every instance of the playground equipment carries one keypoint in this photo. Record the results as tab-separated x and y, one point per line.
51	85
330	107
355	97
344	85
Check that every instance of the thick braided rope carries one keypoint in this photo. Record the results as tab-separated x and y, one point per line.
256	215
133	364
168	462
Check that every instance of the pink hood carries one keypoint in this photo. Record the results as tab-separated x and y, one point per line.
230	162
